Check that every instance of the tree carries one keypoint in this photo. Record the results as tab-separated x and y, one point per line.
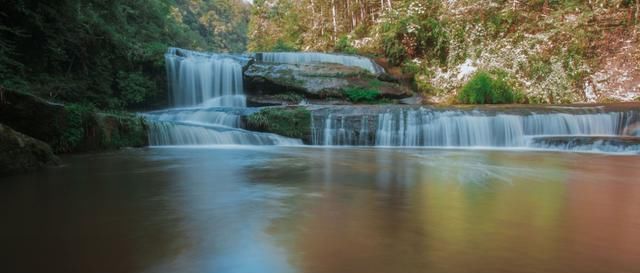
109	53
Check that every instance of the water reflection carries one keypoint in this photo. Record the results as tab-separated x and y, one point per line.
325	210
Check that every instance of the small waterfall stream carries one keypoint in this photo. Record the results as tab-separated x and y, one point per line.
207	88
200	78
579	128
316	57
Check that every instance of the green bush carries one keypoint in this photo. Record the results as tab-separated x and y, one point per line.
361	94
410	68
78	117
485	88
344	46
282	46
134	87
414	36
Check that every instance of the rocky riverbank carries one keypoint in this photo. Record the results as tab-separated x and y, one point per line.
22	153
34	128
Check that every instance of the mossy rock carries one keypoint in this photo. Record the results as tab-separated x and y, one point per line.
315	81
72	127
32	115
294	122
20	153
101	131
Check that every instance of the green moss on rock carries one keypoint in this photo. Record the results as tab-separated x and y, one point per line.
291	122
70	127
20	153
88	130
32	115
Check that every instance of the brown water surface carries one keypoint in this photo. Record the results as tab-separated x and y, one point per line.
324	210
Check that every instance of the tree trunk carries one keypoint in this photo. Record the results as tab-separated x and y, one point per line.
322	22
637	10
335	24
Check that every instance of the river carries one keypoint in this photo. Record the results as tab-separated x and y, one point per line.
324	209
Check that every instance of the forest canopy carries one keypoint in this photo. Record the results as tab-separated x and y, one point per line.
109	53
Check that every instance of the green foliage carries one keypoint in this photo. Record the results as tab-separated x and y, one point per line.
78	117
289	122
392	45
485	88
499	22
79	50
361	94
410	67
539	68
121	130
282	46
343	45
134	87
411	36
275	25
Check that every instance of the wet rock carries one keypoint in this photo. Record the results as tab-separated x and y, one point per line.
316	80
589	143
413	100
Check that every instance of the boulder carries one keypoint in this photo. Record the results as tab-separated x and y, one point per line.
32	115
20	153
319	80
70	128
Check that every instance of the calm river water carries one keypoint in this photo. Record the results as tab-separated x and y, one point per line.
324	210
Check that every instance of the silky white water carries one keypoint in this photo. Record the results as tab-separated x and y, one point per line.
455	128
315	57
207	90
195	78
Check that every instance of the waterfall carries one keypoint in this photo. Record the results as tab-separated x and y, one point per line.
398	126
195	78
189	134
207	90
315	57
207	126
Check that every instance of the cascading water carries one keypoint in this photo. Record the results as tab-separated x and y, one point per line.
208	88
315	57
195	78
543	128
